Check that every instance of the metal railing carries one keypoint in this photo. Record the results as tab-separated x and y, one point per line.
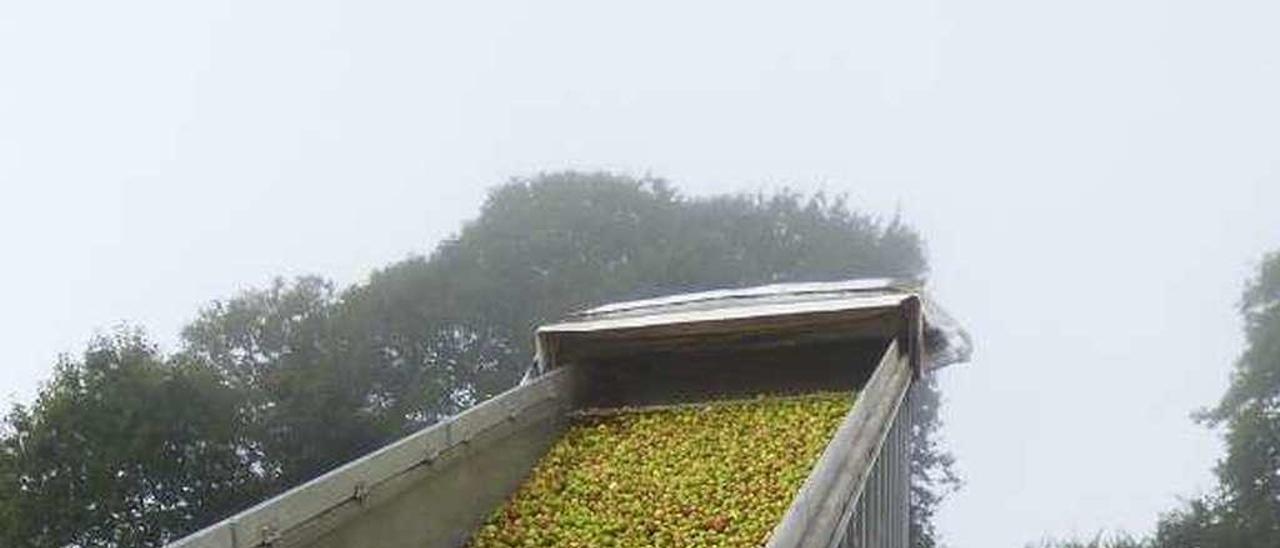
880	516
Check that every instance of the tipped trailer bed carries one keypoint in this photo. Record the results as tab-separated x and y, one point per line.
435	487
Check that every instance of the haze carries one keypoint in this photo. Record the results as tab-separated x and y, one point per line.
1095	181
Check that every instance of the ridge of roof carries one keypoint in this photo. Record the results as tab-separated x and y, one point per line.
781	291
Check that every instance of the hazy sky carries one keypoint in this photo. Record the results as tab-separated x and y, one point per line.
1095	179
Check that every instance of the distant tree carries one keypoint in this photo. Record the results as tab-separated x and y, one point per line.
933	474
1250	412
10	519
1203	522
122	448
545	246
1119	540
1245	510
307	396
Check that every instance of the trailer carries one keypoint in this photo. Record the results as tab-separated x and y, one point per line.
435	487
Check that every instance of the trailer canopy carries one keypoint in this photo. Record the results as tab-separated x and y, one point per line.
772	315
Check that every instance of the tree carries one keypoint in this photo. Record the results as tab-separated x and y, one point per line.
1245	509
933	474
545	246
1250	411
122	448
1100	540
306	394
549	245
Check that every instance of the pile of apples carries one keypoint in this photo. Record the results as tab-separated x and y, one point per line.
717	474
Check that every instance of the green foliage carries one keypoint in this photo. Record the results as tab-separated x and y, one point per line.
933	474
281	384
1205	522
122	448
1245	510
1100	540
307	396
546	246
1250	411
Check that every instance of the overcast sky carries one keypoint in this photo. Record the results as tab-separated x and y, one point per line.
1095	179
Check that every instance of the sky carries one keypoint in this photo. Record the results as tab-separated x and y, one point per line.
1095	179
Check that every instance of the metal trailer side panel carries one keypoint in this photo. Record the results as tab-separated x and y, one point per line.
430	489
821	511
880	517
445	509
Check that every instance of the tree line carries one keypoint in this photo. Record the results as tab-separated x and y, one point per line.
127	445
1243	509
